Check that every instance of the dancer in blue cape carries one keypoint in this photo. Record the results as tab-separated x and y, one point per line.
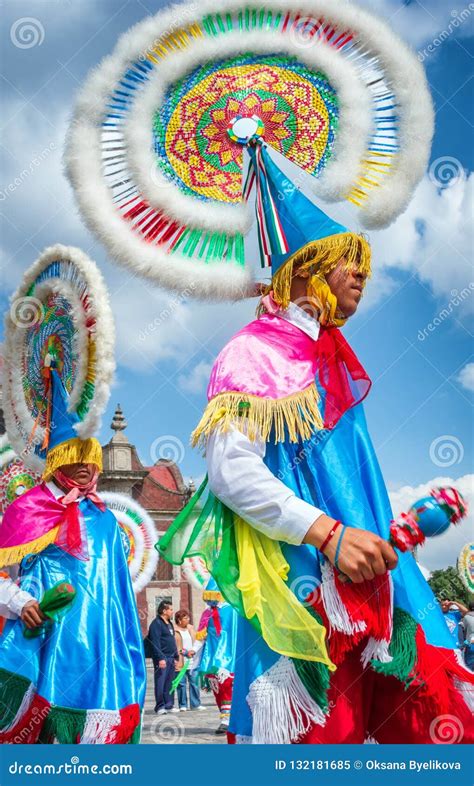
340	638
218	630
77	676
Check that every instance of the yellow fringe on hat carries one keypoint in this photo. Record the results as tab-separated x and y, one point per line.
295	416
320	257
73	451
212	595
11	555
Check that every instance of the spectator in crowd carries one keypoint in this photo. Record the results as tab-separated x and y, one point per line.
453	612
165	656
185	642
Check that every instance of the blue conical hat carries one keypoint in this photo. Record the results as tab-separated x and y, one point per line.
290	223
62	445
62	421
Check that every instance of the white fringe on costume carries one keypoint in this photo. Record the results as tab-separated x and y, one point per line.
334	607
282	709
378	649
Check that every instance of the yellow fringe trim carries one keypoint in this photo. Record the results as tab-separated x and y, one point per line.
13	554
201	634
320	257
295	416
212	595
73	451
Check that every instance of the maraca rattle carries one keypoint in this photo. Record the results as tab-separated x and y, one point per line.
428	517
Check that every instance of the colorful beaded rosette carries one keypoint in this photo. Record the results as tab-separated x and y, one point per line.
15	478
466	566
155	152
140	536
60	313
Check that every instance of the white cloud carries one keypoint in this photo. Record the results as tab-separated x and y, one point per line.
195	381
466	376
420	23
153	325
443	550
433	238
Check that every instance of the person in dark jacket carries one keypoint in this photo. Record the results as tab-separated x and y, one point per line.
165	653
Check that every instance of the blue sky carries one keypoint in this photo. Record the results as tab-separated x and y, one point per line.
414	330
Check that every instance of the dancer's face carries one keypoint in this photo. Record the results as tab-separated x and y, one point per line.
347	286
80	473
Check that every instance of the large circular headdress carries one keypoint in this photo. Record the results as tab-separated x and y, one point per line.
194	570
15	478
60	312
155	148
140	531
466	566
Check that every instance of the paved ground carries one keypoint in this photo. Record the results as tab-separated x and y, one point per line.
183	727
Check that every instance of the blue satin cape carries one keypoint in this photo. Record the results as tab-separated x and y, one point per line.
338	472
219	652
93	657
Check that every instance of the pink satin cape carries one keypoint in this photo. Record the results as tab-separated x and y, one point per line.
33	515
272	358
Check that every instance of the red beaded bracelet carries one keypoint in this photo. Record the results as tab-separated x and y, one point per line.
328	538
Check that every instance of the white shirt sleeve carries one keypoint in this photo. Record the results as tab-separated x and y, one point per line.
12	598
239	477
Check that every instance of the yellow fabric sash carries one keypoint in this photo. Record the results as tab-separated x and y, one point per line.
287	626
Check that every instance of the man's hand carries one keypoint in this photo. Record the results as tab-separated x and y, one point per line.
362	555
162	664
32	615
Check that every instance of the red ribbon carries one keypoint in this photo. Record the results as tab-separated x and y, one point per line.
70	535
340	373
217	620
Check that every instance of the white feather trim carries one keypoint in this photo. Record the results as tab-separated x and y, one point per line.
7	453
119	504
402	73
282	709
212	280
344	166
18	419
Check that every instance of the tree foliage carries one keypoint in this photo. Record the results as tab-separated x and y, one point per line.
447	585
